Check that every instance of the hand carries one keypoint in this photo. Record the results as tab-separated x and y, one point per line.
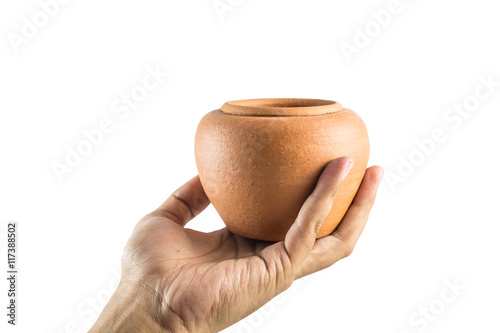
180	280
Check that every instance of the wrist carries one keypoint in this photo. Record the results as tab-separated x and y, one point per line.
128	310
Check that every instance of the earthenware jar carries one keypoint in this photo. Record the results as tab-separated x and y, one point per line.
259	159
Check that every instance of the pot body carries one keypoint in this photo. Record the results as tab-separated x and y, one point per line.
258	166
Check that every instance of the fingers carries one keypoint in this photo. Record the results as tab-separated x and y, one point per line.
341	242
355	219
301	237
185	203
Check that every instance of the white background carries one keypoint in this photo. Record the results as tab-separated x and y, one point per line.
437	223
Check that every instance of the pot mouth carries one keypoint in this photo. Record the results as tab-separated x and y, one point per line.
281	107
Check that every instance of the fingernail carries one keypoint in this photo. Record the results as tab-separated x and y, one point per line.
348	168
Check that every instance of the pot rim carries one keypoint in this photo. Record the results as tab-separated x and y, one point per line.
281	107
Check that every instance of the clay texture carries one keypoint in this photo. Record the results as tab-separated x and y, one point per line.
258	160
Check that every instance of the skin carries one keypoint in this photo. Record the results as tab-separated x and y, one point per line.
176	279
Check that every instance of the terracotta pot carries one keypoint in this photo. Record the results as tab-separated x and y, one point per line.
259	159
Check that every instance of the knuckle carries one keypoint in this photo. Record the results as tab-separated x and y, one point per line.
316	195
343	249
313	221
347	250
318	222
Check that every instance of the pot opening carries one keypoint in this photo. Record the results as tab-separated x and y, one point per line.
281	107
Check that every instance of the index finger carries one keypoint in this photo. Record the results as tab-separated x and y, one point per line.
341	242
301	237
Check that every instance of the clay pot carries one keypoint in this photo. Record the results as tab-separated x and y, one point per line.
259	159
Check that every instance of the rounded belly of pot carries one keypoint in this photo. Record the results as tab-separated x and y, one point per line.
258	171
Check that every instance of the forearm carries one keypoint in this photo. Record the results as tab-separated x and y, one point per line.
127	311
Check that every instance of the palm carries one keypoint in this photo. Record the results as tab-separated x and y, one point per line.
211	272
207	281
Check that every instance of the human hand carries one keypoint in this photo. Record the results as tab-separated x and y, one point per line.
176	279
